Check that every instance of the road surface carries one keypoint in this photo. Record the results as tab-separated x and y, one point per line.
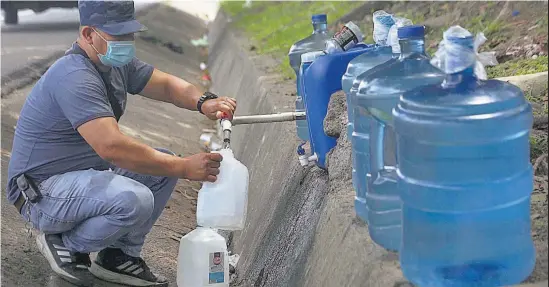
39	35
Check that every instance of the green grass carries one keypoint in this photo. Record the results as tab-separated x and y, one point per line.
274	26
518	67
538	146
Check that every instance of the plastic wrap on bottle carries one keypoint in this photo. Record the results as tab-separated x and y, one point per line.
462	57
383	21
392	37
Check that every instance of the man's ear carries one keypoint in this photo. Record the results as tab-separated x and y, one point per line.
86	34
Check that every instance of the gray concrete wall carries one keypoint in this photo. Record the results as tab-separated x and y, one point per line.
301	228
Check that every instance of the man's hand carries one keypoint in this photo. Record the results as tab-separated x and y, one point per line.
220	108
202	167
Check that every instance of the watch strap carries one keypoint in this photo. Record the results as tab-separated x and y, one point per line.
206	96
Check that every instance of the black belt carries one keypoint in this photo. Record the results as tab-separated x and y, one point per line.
20	202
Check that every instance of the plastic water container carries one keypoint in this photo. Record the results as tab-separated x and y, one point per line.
465	176
306	60
203	259
388	50
377	95
314	42
223	204
320	81
378	54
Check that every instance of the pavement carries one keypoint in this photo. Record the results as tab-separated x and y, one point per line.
154	123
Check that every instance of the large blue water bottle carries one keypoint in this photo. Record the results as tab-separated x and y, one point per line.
387	50
314	42
465	176
320	81
377	95
378	54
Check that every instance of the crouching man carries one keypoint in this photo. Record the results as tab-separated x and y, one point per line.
75	177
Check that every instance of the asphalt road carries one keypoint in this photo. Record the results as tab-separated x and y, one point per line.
39	35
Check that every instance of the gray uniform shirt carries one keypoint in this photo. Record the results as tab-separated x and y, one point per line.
68	95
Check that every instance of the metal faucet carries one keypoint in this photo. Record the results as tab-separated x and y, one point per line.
226	125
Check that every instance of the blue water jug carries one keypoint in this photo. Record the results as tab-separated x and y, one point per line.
464	176
377	95
388	49
314	42
320	81
306	60
380	53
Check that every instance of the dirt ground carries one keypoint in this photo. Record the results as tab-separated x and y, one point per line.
167	47
507	24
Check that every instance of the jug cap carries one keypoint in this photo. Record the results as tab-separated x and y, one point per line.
311	56
319	18
412	31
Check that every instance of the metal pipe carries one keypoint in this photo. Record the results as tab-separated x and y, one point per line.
270	118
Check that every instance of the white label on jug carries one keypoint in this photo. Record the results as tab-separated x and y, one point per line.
345	38
217	272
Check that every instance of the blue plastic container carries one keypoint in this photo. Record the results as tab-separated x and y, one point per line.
314	42
307	60
377	95
379	53
360	127
465	177
321	80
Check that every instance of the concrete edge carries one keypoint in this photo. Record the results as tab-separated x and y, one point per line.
28	74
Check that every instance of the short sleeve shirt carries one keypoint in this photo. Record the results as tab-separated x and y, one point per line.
69	94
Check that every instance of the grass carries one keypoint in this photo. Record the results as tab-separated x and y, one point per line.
538	145
274	26
518	67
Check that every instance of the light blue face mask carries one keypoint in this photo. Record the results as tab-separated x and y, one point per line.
119	53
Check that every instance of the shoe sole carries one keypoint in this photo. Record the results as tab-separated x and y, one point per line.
123	279
46	252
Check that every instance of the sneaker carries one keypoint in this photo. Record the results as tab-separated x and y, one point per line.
115	266
71	266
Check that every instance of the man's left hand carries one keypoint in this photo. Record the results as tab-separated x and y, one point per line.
220	108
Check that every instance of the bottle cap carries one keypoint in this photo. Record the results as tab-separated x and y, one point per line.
412	31
319	18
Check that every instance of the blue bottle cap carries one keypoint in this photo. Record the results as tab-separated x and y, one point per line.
412	31
319	18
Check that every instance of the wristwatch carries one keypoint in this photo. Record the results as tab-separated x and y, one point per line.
206	96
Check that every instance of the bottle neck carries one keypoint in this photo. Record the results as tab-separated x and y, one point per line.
412	46
455	79
320	27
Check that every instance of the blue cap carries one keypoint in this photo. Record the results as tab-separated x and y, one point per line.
112	17
411	31
319	18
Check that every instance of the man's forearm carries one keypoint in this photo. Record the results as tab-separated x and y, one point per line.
183	94
125	152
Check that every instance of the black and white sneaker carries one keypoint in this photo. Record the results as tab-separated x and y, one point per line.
115	266
71	266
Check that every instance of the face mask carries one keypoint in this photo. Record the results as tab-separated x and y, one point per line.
119	53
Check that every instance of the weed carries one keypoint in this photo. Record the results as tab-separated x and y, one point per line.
275	26
518	67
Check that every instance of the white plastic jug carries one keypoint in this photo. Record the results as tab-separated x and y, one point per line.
223	204
203	259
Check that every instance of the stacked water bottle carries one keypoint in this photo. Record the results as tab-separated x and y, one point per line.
440	154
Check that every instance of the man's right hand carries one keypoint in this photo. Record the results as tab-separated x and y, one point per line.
202	167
